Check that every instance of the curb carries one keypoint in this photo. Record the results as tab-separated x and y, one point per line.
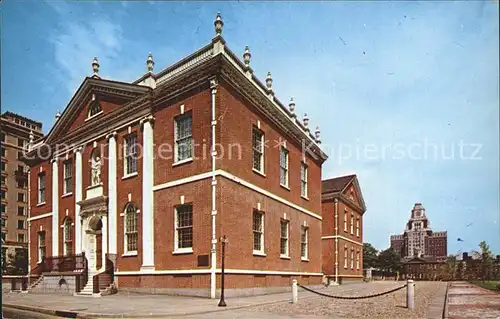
87	315
445	308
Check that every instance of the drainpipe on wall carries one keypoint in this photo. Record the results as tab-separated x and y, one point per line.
213	265
336	241
29	223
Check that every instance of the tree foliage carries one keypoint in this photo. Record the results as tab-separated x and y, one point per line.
370	256
388	260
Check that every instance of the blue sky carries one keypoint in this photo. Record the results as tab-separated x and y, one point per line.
409	89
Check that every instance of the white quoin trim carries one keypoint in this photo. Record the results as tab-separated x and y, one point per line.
55	208
112	195
78	197
147	195
39	217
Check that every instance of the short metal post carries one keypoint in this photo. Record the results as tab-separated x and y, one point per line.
295	293
410	294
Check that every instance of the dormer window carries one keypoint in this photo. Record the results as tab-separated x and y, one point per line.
94	108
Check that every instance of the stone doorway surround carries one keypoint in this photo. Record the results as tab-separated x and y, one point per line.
93	218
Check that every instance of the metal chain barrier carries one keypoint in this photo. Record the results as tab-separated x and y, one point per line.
351	297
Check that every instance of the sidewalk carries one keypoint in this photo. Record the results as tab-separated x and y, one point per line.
465	300
124	305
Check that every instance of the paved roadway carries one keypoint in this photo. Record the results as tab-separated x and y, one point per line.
465	300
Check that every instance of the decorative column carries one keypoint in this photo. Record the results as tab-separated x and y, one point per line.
112	194
104	250
147	194
78	197
55	207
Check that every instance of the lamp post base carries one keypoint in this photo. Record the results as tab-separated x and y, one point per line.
222	303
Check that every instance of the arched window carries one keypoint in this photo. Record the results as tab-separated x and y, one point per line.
130	229
68	237
94	108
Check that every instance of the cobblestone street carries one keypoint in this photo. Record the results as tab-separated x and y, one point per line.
388	306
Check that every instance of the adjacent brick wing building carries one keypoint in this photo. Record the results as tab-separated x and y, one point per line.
342	240
16	132
156	171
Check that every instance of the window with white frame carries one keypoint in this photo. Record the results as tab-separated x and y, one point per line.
304	242
258	231
184	227
352	224
303	179
183	137
94	108
131	233
257	150
68	177
284	230
130	154
357	259
68	237
41	188
357	227
20	224
284	166
352	258
345	220
20	238
41	245
345	257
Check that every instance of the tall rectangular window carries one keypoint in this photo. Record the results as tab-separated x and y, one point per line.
131	234
130	154
284	166
258	232
303	179
352	224
20	224
183	137
3	194
41	246
20	197
4	208
68	177
20	238
345	220
284	230
4	151
357	259
357	227
345	257
20	211
304	241
184	227
20	142
41	188
258	150
4	166
352	258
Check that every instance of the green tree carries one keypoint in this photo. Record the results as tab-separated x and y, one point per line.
388	260
486	258
370	256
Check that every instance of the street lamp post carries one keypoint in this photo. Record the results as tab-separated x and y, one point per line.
224	241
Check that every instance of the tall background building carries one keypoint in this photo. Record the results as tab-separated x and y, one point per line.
16	131
418	240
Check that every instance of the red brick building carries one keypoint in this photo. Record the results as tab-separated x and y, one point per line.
154	172
342	234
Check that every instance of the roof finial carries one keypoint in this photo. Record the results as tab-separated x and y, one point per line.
247	56
95	66
305	121
291	107
218	23
150	63
58	115
269	81
317	135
